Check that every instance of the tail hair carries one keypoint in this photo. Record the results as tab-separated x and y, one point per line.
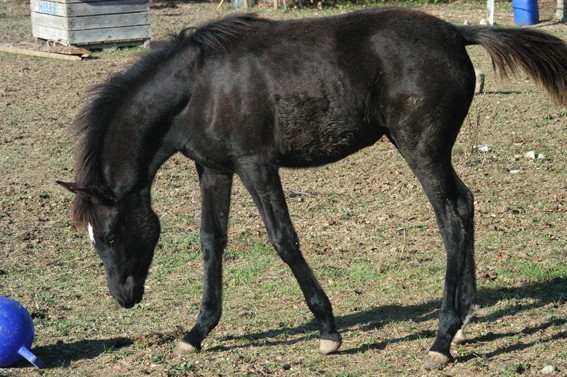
542	56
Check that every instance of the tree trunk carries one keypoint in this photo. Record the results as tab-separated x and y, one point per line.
560	11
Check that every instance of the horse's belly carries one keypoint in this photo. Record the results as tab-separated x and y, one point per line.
315	142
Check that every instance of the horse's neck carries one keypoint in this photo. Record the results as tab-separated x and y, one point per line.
138	142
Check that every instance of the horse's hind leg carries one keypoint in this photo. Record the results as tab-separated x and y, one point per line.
215	198
429	156
263	182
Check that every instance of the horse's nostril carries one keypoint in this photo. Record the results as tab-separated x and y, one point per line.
127	304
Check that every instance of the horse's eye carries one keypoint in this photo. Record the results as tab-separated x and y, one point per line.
111	240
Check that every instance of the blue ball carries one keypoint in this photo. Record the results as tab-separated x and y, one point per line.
16	330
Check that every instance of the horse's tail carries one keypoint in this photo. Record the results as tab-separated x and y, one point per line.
542	56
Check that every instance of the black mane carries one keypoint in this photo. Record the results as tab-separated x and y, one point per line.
91	123
218	35
104	99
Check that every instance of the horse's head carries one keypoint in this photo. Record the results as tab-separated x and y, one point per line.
124	232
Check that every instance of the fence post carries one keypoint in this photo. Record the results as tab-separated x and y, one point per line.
560	10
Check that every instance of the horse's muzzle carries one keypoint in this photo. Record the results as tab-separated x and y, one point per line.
129	293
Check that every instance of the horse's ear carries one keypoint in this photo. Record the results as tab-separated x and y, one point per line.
94	194
71	186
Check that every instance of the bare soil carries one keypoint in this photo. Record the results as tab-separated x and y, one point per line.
365	226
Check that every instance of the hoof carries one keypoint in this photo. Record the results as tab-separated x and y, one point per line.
459	337
185	348
436	360
327	346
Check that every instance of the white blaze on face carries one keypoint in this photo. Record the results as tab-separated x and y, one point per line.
91	233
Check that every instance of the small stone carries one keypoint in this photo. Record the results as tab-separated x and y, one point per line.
514	171
548	369
531	155
483	148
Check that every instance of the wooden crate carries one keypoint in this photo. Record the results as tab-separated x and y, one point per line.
91	23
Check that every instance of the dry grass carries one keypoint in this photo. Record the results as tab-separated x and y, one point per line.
364	223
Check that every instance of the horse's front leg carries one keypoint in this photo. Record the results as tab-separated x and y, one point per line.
215	205
263	182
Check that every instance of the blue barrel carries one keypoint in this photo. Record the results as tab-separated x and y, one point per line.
525	12
241	3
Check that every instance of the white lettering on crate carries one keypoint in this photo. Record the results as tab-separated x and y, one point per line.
48	8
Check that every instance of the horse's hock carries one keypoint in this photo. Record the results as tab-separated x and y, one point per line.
91	23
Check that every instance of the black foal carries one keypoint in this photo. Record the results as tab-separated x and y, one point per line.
246	96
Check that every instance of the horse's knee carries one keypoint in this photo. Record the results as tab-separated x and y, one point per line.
286	245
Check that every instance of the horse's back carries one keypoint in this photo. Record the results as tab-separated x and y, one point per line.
313	91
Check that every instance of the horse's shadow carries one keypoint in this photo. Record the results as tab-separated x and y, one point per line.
542	293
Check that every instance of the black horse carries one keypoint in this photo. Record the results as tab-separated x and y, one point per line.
246	96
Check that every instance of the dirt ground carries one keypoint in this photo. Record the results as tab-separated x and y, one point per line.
365	226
